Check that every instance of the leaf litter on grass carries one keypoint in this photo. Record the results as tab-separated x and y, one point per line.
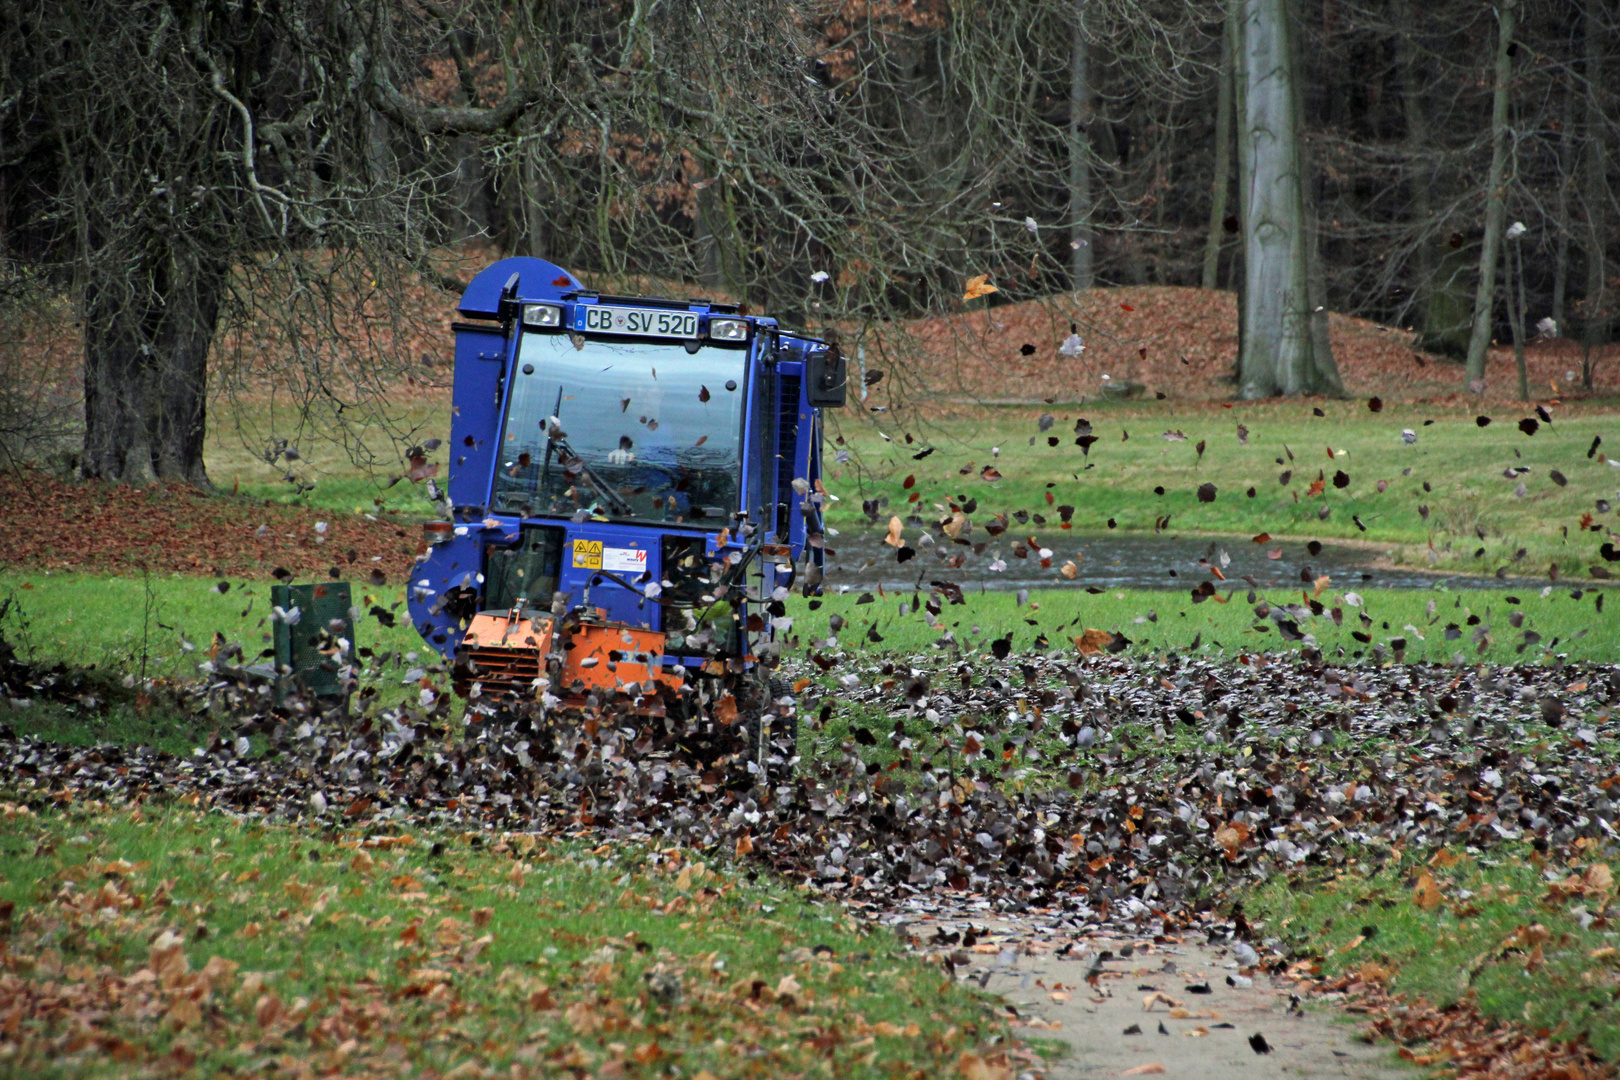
1141	792
185	942
1119	787
56	525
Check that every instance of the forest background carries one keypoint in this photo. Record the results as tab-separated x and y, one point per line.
257	201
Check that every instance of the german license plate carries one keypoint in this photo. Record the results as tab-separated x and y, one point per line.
642	322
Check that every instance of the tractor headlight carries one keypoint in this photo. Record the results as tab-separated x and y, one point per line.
542	315
728	330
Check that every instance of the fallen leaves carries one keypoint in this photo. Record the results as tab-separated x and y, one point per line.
1465	1041
1426	893
973	1067
363	997
178	528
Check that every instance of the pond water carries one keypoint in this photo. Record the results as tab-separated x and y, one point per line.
858	557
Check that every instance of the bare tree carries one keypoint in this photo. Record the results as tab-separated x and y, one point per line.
1598	302
1221	179
1277	349
1081	116
1479	338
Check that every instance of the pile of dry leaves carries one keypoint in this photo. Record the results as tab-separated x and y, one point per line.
55	524
1182	341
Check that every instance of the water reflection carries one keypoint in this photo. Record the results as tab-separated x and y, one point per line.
860	558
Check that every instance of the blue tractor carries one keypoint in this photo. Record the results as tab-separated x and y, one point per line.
634	486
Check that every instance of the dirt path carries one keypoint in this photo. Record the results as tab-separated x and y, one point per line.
1140	1009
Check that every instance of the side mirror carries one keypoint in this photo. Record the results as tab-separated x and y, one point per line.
507	307
827	377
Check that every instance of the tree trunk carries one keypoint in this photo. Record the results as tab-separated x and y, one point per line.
1479	340
1081	253
1222	182
1238	275
706	231
531	209
1595	332
1276	355
1513	272
1316	293
1429	298
1567	166
147	335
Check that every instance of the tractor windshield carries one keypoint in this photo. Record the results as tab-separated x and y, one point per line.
643	430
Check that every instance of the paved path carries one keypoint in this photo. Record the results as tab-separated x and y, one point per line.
1043	975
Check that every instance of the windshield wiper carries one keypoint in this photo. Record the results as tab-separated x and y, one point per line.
615	501
553	439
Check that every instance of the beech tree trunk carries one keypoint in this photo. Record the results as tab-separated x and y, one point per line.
1442	316
147	335
1276	355
1479	340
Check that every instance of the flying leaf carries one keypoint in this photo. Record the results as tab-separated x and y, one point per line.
978	286
1094	642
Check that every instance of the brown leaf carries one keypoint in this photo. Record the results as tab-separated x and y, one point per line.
973	1067
977	287
1094	642
167	956
1426	894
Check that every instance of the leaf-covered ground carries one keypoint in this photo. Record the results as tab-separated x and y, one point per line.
1147	793
61	525
169	942
1181	342
1463	935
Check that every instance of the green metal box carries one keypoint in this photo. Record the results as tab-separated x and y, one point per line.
306	648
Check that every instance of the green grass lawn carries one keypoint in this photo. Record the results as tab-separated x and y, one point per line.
1523	942
1454	469
130	638
1434	624
350	472
163	939
162	627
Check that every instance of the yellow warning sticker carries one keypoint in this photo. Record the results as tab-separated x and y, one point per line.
588	554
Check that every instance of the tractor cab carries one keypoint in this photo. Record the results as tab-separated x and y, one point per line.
633	483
